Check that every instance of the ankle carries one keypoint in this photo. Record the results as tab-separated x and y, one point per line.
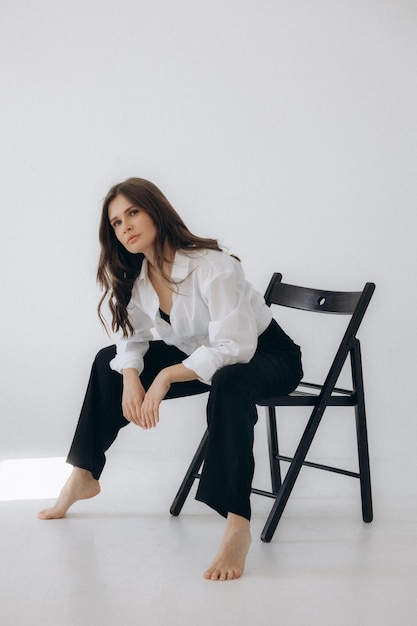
237	523
82	474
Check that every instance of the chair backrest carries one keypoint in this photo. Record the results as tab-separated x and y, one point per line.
317	300
352	303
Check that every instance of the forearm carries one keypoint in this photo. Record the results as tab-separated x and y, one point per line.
130	375
133	396
177	374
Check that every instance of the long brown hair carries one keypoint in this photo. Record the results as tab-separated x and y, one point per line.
118	268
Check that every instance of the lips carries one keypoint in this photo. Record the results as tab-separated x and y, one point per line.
132	238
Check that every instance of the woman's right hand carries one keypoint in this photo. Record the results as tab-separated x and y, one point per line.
132	397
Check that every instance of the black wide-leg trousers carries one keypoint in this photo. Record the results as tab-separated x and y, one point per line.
228	468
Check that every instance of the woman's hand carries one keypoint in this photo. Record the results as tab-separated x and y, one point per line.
132	397
143	408
159	389
153	398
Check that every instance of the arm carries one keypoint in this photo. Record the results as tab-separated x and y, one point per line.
133	396
232	330
128	361
132	349
232	334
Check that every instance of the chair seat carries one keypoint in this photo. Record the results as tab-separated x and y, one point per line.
299	397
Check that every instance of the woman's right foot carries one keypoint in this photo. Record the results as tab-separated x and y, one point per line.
230	560
79	486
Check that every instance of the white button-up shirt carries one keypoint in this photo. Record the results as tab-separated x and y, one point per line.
216	315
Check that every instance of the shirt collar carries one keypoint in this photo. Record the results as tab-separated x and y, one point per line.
180	268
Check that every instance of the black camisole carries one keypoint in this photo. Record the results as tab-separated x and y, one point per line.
164	316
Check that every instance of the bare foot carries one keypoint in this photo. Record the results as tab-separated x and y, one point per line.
230	560
79	486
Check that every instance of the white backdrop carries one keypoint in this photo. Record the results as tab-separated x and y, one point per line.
286	128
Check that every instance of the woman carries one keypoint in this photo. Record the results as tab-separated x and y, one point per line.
216	333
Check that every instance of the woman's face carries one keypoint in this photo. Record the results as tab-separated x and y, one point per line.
133	227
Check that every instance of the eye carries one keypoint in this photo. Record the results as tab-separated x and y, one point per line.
116	223
133	212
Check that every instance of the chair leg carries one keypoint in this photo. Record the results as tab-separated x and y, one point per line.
189	477
273	449
292	474
364	469
362	436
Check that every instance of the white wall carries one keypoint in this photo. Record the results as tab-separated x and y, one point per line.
285	128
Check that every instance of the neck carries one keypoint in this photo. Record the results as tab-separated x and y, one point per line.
169	255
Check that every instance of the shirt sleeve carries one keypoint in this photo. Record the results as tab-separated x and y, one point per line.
131	350
232	330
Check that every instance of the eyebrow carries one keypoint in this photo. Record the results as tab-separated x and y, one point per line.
115	217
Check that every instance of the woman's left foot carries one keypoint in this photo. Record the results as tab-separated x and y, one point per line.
79	486
230	560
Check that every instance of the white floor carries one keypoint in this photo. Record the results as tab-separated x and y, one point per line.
121	559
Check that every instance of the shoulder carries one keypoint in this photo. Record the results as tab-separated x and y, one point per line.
215	260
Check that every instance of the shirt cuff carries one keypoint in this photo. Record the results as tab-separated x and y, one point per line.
118	365
203	363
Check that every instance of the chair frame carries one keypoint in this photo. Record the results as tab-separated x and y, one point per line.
317	396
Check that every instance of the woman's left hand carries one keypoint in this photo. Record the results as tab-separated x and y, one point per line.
153	398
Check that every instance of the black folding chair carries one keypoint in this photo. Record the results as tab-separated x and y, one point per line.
317	396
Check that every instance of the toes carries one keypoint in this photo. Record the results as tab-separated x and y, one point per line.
212	574
220	574
215	574
53	513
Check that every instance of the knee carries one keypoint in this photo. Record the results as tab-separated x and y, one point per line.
104	356
231	379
